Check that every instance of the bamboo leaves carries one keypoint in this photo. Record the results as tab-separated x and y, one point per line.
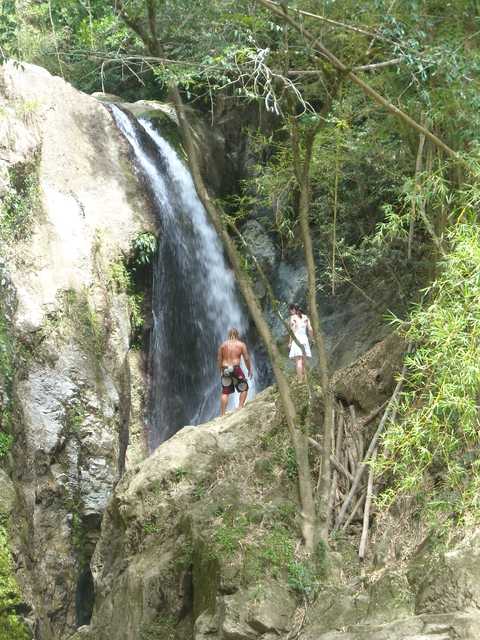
434	446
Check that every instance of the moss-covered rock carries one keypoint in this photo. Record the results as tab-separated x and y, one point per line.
11	626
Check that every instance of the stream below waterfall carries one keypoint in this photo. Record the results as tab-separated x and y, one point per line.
194	300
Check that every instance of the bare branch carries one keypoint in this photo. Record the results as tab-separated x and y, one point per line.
366	511
333	461
366	67
378	65
372	446
348	27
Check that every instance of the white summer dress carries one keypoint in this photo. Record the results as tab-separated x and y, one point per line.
301	333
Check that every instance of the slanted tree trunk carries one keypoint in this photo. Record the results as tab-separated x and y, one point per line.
299	438
299	441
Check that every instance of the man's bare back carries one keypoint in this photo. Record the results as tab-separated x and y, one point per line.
229	355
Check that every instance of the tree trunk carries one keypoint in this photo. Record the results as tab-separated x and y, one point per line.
300	445
302	172
298	436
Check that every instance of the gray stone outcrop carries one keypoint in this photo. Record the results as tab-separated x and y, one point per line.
73	325
156	560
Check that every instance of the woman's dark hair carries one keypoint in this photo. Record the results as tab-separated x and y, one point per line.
298	309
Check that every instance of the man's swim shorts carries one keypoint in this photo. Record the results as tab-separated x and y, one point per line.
233	378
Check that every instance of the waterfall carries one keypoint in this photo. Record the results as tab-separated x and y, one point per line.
194	298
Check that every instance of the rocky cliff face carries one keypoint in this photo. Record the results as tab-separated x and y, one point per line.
200	542
64	165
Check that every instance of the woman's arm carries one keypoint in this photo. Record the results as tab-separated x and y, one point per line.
310	331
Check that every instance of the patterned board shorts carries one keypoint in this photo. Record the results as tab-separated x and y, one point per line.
233	378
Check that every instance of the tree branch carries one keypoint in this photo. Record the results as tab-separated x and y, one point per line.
351	76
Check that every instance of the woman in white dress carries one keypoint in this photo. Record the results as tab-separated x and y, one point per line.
301	327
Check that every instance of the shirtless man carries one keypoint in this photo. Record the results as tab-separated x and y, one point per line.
231	374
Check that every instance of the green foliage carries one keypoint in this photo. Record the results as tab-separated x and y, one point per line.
85	45
161	628
75	417
302	580
186	557
427	192
230	533
277	551
363	160
433	446
20	204
342	239
6	353
9	370
77	531
150	526
10	626
180	473
131	275
6	441
270	550
8	27
80	535
199	493
290	463
144	247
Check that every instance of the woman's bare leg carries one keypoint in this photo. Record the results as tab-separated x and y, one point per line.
299	365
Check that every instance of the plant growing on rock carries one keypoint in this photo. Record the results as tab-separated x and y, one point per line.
252	552
10	412
10	624
199	493
6	440
150	526
144	247
132	275
75	417
21	203
180	473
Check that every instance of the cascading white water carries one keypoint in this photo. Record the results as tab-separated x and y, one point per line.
194	298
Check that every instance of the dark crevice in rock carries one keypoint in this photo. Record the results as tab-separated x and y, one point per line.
85	598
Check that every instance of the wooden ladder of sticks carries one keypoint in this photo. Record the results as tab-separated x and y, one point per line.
353	485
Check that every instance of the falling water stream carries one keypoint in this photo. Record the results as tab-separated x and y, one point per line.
194	297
